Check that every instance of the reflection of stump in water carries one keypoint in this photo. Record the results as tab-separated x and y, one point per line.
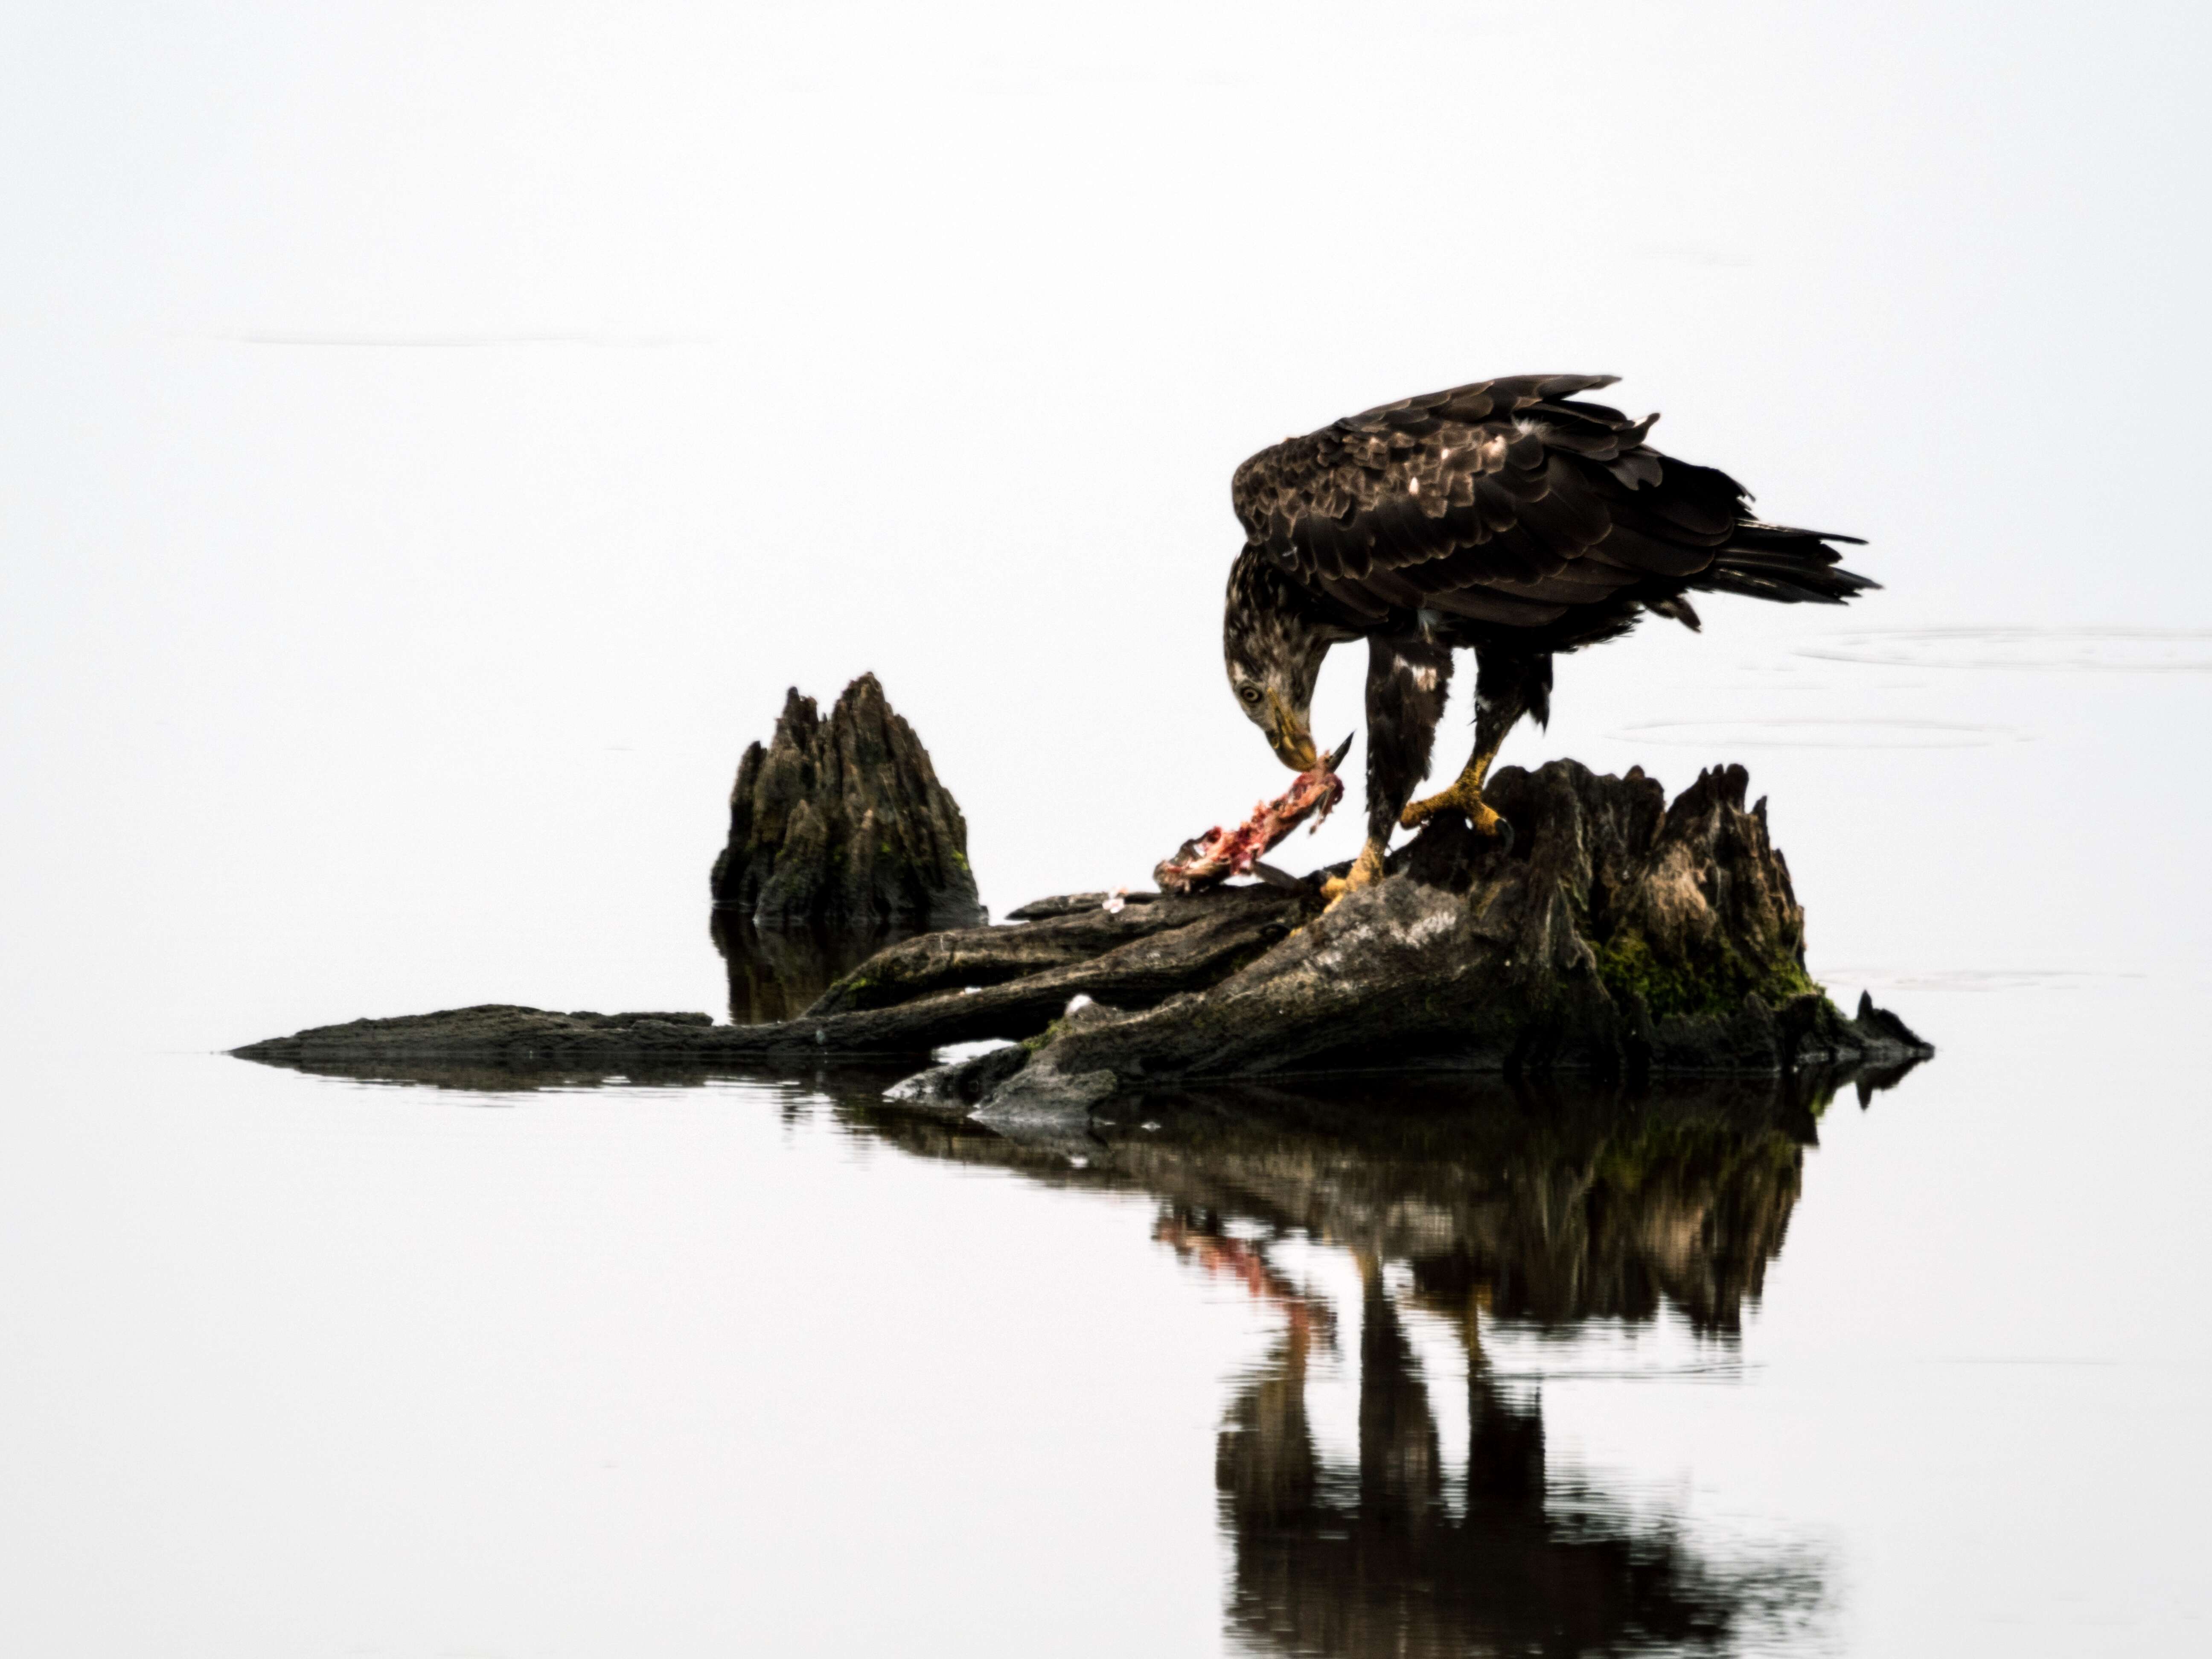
1376	1560
1384	1560
777	973
1585	1209
1542	1206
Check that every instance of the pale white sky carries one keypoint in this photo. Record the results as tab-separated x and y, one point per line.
436	435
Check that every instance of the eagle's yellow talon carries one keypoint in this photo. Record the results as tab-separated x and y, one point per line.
1462	797
1366	870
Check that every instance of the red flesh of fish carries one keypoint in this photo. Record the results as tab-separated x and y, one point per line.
1220	854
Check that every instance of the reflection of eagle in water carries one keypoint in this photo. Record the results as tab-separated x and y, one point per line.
1502	517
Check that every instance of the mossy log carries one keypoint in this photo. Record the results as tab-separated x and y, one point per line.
1616	935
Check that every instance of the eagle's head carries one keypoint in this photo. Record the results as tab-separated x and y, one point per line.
1272	641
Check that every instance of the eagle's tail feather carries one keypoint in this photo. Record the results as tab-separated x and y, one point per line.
1780	563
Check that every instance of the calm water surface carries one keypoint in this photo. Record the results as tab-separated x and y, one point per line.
448	1365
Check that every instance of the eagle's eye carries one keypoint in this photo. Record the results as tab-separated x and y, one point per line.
1251	695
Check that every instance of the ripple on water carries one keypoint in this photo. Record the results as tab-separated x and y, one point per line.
1790	732
2035	650
1971	979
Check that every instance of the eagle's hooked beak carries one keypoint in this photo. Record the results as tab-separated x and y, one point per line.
1290	737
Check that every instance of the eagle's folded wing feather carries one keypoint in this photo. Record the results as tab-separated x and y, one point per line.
1504	501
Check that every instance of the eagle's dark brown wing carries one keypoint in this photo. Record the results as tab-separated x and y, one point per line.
1509	500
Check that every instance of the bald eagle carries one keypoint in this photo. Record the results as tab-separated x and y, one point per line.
1507	518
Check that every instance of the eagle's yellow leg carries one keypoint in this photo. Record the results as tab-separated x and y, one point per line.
1506	687
1366	870
1465	794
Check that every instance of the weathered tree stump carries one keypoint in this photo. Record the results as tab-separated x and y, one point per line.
1617	936
841	826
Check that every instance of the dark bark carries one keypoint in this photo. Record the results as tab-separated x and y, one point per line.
1616	935
1131	960
1253	917
842	825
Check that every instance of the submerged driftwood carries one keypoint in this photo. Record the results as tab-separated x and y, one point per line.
777	973
962	986
1617	935
841	826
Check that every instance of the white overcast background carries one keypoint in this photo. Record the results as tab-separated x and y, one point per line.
432	438
435	436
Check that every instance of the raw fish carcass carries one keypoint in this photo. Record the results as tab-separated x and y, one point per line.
1213	858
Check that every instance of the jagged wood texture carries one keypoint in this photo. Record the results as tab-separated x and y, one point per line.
842	825
1619	935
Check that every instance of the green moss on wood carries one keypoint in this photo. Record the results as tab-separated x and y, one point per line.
1716	984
